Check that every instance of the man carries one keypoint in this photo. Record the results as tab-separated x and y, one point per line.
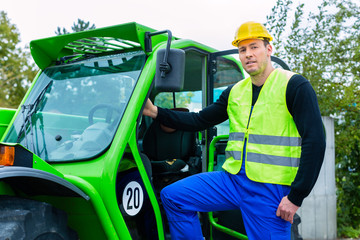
274	153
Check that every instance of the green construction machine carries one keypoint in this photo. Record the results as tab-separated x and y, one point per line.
77	158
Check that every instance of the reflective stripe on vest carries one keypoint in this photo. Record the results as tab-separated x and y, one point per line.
263	158
236	155
273	160
273	144
275	140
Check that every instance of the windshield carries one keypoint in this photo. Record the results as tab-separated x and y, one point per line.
73	110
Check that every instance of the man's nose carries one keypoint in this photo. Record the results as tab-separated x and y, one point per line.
248	53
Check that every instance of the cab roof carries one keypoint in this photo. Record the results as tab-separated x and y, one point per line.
119	38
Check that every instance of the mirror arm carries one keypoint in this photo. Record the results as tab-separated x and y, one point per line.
164	66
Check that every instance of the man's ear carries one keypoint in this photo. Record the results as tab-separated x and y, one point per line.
269	49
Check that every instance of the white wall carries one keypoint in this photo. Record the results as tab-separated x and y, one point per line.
318	211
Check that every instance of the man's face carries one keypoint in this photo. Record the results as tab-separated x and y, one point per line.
254	55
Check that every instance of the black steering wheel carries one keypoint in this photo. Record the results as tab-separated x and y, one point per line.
109	114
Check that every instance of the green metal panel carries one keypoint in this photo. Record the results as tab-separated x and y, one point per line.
5	118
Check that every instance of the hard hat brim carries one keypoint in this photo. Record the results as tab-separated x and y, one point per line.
236	42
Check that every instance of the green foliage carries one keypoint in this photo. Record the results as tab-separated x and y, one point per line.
324	46
16	69
81	25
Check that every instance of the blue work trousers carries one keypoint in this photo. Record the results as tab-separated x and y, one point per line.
221	191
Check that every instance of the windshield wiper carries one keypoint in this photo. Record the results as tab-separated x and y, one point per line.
31	110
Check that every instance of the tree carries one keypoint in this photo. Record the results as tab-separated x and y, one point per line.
325	48
81	25
16	69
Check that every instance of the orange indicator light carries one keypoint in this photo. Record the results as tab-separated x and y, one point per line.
7	155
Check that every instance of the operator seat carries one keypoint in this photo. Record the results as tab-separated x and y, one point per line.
173	153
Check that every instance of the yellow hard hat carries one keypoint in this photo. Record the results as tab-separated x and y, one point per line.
251	30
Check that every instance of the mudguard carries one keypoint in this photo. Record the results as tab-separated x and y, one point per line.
36	182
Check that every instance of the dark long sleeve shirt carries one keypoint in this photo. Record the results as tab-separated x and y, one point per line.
302	104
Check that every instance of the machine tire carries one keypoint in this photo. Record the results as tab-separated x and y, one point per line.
27	219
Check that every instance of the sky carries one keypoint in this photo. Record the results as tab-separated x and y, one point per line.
211	22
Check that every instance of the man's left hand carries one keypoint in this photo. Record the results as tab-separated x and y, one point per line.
286	210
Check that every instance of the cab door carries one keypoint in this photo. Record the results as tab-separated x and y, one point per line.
224	70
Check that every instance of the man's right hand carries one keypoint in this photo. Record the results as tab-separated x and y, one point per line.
286	210
150	109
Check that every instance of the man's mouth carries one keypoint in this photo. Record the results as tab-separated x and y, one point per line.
250	62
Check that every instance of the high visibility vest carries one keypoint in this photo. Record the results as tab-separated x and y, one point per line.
273	144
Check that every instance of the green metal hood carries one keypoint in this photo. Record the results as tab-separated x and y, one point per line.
47	51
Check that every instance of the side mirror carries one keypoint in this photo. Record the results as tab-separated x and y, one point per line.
169	76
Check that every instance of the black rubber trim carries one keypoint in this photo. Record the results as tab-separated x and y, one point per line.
36	182
23	158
